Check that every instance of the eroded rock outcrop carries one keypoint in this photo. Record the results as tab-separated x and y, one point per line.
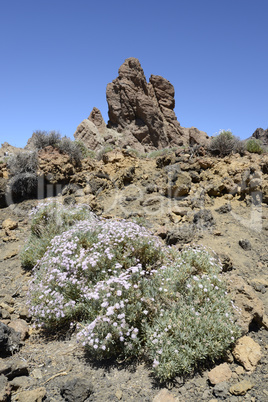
141	114
262	135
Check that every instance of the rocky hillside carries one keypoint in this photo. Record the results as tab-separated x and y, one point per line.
185	199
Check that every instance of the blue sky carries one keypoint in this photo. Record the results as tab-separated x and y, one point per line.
58	56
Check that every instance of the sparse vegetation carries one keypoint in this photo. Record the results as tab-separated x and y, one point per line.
42	139
254	146
104	150
48	220
128	296
23	186
225	143
23	177
86	153
160	152
70	148
23	162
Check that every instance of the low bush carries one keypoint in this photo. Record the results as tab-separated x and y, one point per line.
86	153
131	297
104	150
42	139
48	220
225	143
254	146
22	186
23	162
70	148
23	182
160	152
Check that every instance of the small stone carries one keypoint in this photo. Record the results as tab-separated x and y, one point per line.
219	374
221	390
265	321
119	394
76	388
245	244
7	308
164	396
15	368
10	254
36	373
224	209
5	314
241	387
35	395
247	352
206	394
239	370
20	326
24	313
9	224
5	390
20	382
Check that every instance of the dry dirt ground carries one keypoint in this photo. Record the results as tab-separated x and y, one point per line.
57	368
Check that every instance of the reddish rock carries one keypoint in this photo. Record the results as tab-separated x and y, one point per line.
219	374
141	114
247	352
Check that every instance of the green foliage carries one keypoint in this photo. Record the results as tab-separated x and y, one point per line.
86	153
104	150
129	295
254	146
225	143
48	220
160	152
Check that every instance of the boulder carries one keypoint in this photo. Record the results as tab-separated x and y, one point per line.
76	388
247	352
21	327
241	387
249	308
219	374
9	340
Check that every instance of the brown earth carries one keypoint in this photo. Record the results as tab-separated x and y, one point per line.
185	199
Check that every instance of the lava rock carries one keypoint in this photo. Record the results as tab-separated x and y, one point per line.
76	389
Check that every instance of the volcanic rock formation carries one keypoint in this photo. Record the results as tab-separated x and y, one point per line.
262	135
141	114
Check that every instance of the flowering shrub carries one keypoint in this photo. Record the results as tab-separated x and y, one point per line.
129	296
48	220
